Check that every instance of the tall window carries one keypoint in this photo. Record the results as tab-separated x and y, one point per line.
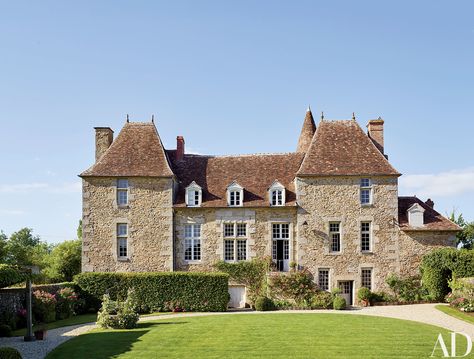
235	242
281	246
365	191
366	278
192	242
335	236
122	240
122	192
365	237
323	279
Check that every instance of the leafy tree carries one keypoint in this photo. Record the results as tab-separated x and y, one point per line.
79	230
24	249
3	247
64	261
465	238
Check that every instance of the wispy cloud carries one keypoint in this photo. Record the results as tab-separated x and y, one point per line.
444	184
23	188
12	212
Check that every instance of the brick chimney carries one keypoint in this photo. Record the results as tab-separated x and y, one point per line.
179	148
430	203
104	137
375	133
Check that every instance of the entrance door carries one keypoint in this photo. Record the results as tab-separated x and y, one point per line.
281	254
346	288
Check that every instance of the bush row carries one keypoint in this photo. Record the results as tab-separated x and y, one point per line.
160	291
10	275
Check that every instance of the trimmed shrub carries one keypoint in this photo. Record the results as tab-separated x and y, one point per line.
439	266
198	292
10	275
264	304
339	303
5	330
322	300
9	353
252	274
297	286
407	289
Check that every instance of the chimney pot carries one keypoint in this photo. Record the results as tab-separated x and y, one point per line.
179	148
375	133
104	136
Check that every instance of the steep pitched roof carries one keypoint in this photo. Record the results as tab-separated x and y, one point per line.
255	173
137	151
307	132
342	148
433	220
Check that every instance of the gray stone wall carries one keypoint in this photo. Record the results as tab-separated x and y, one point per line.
149	217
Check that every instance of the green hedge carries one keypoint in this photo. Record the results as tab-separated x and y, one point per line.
440	265
197	292
10	275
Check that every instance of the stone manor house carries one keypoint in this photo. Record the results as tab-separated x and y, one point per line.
332	207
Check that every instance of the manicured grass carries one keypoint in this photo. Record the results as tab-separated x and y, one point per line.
155	314
262	336
467	317
78	319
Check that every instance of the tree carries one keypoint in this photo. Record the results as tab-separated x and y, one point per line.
3	247
25	249
65	261
465	238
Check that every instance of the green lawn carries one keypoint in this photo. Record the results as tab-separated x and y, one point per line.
456	313
262	336
78	319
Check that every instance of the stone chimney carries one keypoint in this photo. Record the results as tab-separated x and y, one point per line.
375	133
430	203
104	137
179	148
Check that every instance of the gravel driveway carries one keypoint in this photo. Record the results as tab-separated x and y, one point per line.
424	313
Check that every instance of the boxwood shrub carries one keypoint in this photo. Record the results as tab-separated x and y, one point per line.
199	292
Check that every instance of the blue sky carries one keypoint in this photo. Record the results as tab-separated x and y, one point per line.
232	77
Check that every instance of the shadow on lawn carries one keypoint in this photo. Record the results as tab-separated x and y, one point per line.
104	344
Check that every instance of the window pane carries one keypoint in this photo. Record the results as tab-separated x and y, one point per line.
366	279
122	183
365	236
276	231
122	229
274	198
197	230
335	242
365	196
365	182
196	198
122	197
241	250
188	231
323	279
241	230
122	247
228	229
285	230
229	250
197	250
232	198
237	198
188	249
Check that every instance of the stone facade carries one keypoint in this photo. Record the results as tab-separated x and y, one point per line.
149	216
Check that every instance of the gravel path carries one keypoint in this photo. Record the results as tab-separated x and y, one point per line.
424	313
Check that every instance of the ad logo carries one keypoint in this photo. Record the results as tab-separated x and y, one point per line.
440	345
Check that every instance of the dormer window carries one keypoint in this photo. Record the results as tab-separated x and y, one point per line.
193	195
235	195
416	215
365	191
276	194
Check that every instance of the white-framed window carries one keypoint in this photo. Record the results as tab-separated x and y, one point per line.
192	242
365	237
366	278
281	246
235	242
276	194
122	192
365	191
235	195
122	240
193	195
335	237
323	278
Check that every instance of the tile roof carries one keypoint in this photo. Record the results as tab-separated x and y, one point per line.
307	132
433	220
255	173
137	151
343	148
